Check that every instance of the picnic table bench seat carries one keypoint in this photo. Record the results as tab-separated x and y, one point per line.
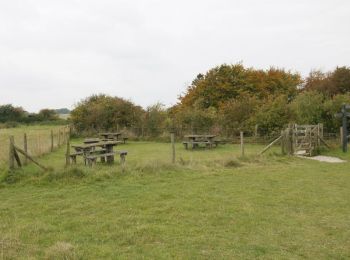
92	158
196	143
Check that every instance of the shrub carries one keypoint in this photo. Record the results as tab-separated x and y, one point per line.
102	112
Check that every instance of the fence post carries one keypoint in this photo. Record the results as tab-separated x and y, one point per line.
51	140
59	138
242	144
63	136
256	131
283	140
68	134
341	136
290	139
293	132
12	153
68	153
25	147
172	137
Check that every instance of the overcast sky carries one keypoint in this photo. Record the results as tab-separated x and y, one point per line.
54	53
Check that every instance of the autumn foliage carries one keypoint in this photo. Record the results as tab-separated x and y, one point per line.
227	99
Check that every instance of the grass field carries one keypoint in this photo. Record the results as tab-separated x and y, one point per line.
210	204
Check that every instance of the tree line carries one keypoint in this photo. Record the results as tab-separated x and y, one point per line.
227	98
11	116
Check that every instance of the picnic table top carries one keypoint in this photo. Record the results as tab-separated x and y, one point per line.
110	133
91	140
91	145
199	136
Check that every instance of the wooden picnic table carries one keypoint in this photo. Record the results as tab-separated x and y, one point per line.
195	140
114	136
91	140
87	149
196	137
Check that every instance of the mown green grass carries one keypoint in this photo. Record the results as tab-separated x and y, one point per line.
211	204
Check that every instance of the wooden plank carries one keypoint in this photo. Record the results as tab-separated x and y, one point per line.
270	145
29	157
100	155
17	158
200	136
91	140
110	134
103	143
324	142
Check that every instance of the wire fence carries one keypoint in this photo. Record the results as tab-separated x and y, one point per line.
231	135
36	141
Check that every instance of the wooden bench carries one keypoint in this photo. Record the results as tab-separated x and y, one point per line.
197	143
125	139
92	158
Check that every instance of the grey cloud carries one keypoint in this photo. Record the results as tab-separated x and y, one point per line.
148	51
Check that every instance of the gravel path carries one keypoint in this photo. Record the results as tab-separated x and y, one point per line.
322	158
